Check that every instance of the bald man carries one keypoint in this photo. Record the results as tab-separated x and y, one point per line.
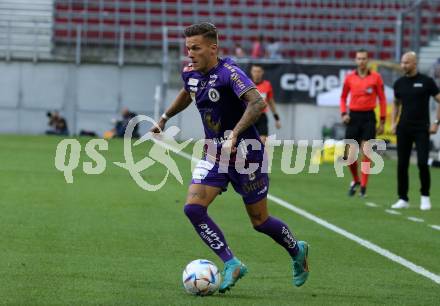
411	123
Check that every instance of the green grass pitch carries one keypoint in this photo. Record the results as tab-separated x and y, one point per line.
104	241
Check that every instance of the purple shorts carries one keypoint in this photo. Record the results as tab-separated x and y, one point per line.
253	187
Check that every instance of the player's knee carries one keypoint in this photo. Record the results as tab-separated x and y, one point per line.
194	212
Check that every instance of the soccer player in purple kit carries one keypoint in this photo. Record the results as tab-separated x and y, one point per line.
227	101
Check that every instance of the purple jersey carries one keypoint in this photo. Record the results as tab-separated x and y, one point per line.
217	95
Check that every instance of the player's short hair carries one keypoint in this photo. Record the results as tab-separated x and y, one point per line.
206	29
257	65
362	50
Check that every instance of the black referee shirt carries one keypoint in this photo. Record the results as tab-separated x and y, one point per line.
414	93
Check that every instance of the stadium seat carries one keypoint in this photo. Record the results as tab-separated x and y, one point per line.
333	29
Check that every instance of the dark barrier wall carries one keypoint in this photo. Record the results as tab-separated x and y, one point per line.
301	83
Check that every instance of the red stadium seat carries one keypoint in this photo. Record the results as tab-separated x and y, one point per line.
319	28
339	54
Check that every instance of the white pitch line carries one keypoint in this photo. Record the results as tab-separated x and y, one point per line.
371	204
436	227
392	212
365	243
415	219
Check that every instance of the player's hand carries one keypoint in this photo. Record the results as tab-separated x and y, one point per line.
433	129
161	124
278	124
230	143
393	128
380	129
346	119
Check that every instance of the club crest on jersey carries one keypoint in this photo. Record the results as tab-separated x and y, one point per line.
369	90
213	95
193	82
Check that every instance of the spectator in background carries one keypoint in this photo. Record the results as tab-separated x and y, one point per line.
238	51
57	124
121	125
273	49
258	48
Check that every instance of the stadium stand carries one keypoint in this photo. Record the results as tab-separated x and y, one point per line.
325	29
26	28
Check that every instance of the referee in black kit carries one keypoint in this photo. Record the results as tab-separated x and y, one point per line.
412	93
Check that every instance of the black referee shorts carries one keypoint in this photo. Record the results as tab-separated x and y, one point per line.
262	125
362	126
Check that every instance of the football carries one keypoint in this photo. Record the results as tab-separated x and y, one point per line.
201	277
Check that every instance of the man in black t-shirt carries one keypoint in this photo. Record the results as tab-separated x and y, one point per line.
411	123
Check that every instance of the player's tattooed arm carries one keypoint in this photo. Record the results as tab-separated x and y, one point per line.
255	105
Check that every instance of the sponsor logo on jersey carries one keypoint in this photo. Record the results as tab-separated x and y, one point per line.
193	82
262	190
229	67
253	186
212	79
236	79
211	123
219	140
418	85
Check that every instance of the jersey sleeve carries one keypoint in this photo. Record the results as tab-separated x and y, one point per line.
186	73
240	82
382	98
345	91
185	81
